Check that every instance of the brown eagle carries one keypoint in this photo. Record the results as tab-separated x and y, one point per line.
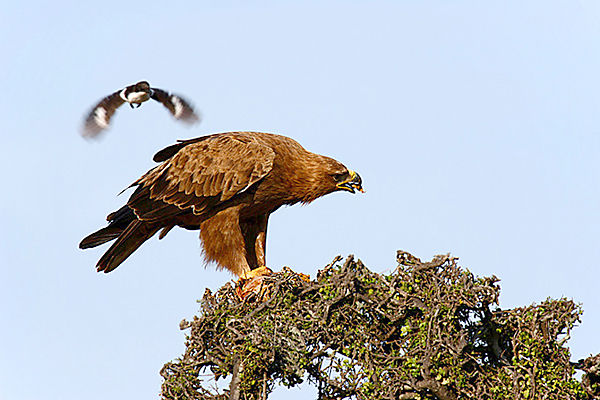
226	185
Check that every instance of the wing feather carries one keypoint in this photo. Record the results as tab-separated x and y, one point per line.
201	175
180	108
98	119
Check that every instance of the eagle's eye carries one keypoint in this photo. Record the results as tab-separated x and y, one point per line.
340	177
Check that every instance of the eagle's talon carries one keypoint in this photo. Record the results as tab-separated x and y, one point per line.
252	282
255	273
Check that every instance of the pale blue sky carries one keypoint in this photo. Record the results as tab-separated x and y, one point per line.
475	127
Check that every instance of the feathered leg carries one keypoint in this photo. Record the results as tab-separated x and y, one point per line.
223	241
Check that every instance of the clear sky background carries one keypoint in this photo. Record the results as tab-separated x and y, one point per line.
475	128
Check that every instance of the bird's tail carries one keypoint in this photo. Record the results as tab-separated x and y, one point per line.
118	222
100	237
129	233
128	241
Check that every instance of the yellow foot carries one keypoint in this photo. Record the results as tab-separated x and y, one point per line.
254	273
251	282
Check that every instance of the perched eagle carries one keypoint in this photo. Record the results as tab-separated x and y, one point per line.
99	116
226	185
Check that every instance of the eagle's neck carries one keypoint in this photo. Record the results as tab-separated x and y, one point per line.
310	180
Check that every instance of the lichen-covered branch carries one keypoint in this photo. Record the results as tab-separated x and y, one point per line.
429	330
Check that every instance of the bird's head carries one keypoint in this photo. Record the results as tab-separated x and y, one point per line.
341	178
325	176
142	86
349	181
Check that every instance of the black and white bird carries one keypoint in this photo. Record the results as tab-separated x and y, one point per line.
98	118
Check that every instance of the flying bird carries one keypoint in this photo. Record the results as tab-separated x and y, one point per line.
226	185
98	119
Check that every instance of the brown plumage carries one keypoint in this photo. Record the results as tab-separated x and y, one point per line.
226	185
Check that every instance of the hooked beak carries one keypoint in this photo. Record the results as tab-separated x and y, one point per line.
354	182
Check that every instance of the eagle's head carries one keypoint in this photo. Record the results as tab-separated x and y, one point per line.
338	177
320	175
348	180
334	177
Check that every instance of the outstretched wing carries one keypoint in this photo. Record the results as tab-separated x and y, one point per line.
179	108
201	175
99	116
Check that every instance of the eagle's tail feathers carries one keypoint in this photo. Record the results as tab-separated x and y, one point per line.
118	222
100	237
136	233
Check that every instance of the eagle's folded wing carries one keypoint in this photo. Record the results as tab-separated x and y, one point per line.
200	176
